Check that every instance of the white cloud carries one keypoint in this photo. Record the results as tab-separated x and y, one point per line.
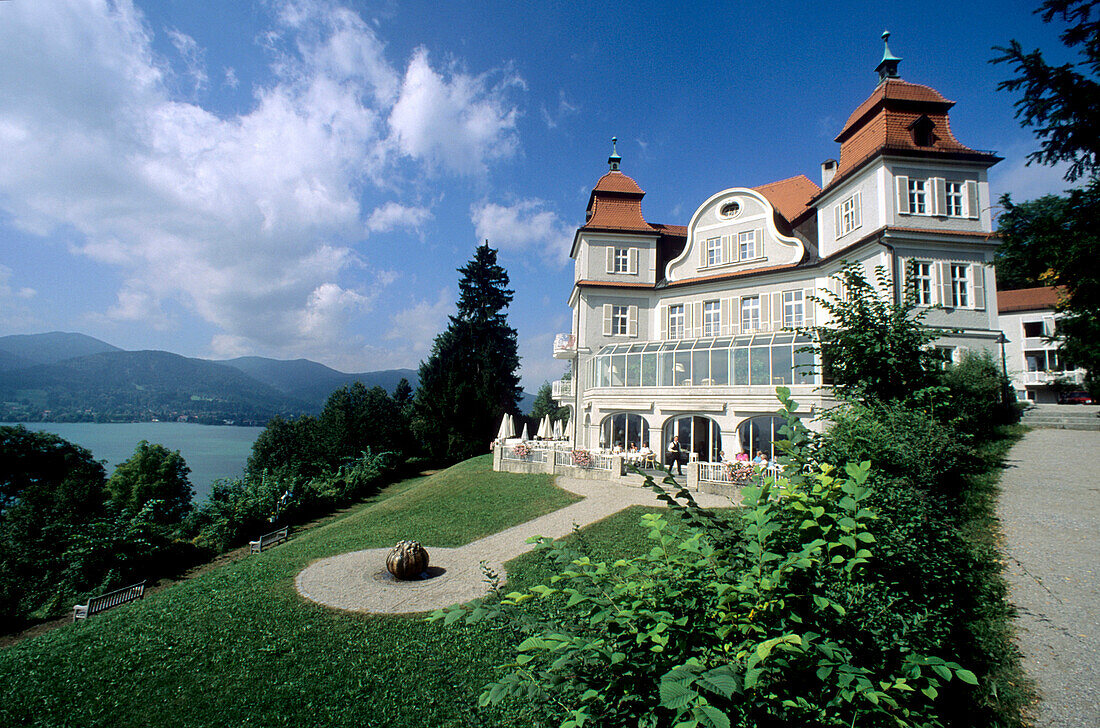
458	123
231	80
14	315
194	58
393	215
417	326
524	226
250	220
1027	182
553	117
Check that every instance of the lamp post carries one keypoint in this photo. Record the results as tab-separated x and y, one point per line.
1002	340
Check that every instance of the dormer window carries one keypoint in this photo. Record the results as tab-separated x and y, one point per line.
923	132
730	209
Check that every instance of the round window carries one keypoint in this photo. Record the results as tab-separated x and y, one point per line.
730	209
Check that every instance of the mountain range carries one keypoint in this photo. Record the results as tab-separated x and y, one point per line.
73	377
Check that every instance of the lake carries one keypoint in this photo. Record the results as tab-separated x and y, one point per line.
211	451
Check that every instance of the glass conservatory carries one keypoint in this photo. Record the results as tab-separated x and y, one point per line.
770	359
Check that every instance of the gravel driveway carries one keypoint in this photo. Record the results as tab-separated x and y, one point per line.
1050	514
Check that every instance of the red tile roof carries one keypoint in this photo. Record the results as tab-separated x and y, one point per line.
883	123
616	204
672	231
896	89
790	197
617	182
1028	299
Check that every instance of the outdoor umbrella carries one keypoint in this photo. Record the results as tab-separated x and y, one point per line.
507	429
545	428
557	430
524	435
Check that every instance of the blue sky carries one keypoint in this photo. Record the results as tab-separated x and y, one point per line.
302	179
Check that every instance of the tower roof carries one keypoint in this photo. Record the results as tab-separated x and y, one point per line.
616	201
902	118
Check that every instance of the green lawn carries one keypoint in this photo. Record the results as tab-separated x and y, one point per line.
238	647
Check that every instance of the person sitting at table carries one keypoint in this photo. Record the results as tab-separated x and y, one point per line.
742	457
761	459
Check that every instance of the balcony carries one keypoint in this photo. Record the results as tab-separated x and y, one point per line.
561	389
1074	376
565	346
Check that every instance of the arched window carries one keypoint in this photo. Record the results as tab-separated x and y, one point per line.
624	430
758	434
698	434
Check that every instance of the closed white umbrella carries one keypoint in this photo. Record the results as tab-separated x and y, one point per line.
524	435
557	430
545	428
503	433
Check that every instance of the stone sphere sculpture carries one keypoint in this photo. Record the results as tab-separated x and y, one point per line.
408	560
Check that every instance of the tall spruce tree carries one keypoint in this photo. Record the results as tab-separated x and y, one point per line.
469	380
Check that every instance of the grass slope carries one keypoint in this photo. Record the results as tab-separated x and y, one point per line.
238	646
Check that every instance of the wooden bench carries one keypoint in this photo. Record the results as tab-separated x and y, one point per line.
269	539
104	602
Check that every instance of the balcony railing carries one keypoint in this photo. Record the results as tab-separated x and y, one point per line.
561	389
565	346
1075	376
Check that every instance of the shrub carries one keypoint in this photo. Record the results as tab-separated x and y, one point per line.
901	442
976	401
709	630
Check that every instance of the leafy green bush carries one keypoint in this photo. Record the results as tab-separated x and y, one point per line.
976	395
708	630
902	442
238	510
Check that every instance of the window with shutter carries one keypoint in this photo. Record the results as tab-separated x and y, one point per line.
808	313
972	199
902	183
943	283
977	280
939	193
607	319
633	266
611	260
632	321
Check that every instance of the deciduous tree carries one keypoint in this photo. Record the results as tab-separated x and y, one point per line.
153	472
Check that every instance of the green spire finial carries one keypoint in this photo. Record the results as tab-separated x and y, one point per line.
888	66
614	159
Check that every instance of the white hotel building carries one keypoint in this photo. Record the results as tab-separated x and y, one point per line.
687	329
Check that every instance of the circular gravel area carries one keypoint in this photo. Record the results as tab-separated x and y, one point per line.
358	581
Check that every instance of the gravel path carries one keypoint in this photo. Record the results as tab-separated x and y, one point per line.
1050	514
358	581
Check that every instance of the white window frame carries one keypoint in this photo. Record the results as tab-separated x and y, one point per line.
620	320
714	251
923	283
622	260
955	192
794	309
746	245
960	285
677	323
918	196
750	313
850	215
712	318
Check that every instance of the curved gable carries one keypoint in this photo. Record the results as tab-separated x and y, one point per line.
733	231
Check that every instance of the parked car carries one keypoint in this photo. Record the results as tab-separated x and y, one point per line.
1074	398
